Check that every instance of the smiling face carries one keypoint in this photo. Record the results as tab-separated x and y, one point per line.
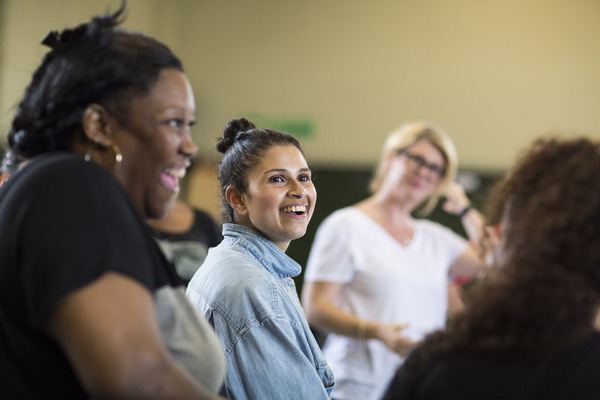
408	176
281	197
156	144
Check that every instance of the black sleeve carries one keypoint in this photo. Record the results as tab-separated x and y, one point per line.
77	224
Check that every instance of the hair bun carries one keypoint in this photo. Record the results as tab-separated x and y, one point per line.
86	31
232	132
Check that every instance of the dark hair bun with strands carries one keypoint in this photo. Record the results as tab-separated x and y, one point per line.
232	132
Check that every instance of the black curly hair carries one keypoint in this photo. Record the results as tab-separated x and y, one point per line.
95	62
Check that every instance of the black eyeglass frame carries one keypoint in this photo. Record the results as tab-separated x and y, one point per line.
419	162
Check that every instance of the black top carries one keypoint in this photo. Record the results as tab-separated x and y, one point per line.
187	250
63	223
567	374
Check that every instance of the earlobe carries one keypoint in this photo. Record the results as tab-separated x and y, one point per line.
95	124
235	199
97	133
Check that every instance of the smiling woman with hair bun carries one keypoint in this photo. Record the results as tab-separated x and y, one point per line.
245	287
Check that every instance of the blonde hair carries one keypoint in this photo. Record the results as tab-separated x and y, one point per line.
407	135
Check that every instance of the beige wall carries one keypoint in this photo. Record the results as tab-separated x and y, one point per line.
494	73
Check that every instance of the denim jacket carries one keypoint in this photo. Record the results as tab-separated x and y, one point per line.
245	290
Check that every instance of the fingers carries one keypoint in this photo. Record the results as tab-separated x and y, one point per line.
400	343
404	346
400	327
456	199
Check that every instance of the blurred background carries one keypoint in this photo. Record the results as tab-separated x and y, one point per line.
341	74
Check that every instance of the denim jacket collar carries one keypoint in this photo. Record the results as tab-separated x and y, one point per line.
271	257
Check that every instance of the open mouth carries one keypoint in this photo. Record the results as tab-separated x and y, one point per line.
296	210
171	176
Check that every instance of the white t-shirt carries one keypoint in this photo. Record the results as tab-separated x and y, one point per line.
385	282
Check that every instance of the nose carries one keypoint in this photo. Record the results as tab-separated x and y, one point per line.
297	190
423	171
188	147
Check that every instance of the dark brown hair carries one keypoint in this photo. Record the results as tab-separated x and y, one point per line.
243	145
543	289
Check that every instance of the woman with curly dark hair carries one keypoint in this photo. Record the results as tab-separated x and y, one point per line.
528	332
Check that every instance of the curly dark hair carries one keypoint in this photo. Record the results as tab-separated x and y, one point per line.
243	145
543	289
93	63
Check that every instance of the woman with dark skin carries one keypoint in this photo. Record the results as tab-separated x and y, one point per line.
528	332
89	306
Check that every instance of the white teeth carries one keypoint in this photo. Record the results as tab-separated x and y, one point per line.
294	209
177	172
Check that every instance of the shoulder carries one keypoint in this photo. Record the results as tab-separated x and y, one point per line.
62	165
341	220
63	172
202	215
229	272
234	288
343	214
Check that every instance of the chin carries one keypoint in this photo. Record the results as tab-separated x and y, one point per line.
297	235
159	212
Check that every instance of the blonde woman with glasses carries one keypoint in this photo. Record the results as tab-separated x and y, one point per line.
377	278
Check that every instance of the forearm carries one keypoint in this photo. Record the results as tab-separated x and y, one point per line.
473	223
323	313
121	357
151	380
458	203
331	318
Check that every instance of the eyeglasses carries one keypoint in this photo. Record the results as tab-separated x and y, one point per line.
418	162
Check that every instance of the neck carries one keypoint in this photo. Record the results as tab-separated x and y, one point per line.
388	208
386	213
283	245
397	221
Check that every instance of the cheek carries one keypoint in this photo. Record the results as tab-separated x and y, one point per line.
165	144
312	193
396	173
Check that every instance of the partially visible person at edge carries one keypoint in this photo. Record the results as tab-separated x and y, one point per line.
377	279
245	287
184	236
528	332
89	306
10	166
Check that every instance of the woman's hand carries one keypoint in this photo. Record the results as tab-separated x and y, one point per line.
391	336
456	199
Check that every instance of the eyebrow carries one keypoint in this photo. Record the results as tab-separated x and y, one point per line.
286	170
175	107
